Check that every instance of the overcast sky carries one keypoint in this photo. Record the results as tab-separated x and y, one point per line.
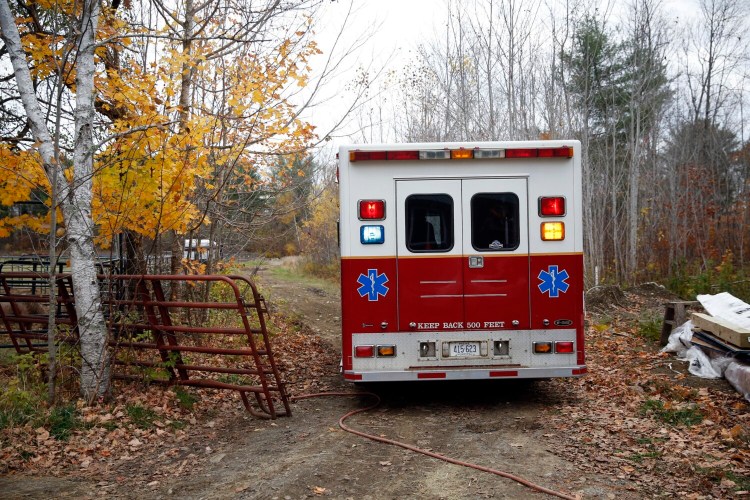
392	29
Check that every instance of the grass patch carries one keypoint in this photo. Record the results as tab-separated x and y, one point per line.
185	398
716	475
110	426
687	416
177	425
650	329
640	457
235	379
650	441
20	406
651	450
299	276
140	416
63	420
742	483
22	398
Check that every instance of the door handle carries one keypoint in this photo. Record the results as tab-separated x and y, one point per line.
476	261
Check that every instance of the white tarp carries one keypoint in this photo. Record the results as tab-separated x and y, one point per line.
727	307
712	364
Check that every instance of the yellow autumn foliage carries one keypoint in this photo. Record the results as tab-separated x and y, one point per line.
158	156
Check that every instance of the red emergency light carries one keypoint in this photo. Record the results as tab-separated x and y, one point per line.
552	206
563	152
371	209
403	155
522	153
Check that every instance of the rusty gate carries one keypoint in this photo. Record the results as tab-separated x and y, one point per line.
215	336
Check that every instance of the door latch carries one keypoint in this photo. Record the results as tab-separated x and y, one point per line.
476	261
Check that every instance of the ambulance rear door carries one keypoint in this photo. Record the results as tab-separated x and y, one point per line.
462	254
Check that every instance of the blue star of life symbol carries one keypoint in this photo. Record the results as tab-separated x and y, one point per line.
372	284
553	281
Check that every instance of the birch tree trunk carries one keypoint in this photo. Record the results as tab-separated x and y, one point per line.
76	194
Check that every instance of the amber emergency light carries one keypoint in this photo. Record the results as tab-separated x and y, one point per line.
553	231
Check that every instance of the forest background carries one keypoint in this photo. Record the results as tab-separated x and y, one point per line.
200	124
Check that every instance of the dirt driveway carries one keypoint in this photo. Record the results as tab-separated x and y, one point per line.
501	425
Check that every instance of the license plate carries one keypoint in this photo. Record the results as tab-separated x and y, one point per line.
464	349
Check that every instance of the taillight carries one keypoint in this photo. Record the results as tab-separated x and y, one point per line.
565	347
364	351
552	206
553	231
371	209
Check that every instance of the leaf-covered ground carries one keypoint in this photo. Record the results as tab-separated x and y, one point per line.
637	419
640	416
146	428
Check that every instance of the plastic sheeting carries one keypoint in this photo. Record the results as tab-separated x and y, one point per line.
738	375
700	364
708	365
679	340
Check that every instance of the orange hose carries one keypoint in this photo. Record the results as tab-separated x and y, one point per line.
416	449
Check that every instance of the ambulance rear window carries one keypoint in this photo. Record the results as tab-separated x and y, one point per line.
494	222
429	223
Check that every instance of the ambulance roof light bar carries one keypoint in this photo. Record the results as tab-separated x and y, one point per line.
461	154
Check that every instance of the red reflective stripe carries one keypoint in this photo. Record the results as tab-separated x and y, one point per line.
521	153
431	375
352	376
508	373
403	155
579	371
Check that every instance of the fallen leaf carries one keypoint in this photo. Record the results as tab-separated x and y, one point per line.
42	435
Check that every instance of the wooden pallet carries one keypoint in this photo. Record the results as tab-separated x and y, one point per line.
724	330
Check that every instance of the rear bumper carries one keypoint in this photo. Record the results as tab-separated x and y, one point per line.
465	374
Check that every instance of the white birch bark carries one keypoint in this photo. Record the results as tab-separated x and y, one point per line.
75	196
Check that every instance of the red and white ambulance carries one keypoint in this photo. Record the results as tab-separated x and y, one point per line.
461	261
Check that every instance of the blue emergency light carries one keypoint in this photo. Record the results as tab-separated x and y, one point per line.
371	235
